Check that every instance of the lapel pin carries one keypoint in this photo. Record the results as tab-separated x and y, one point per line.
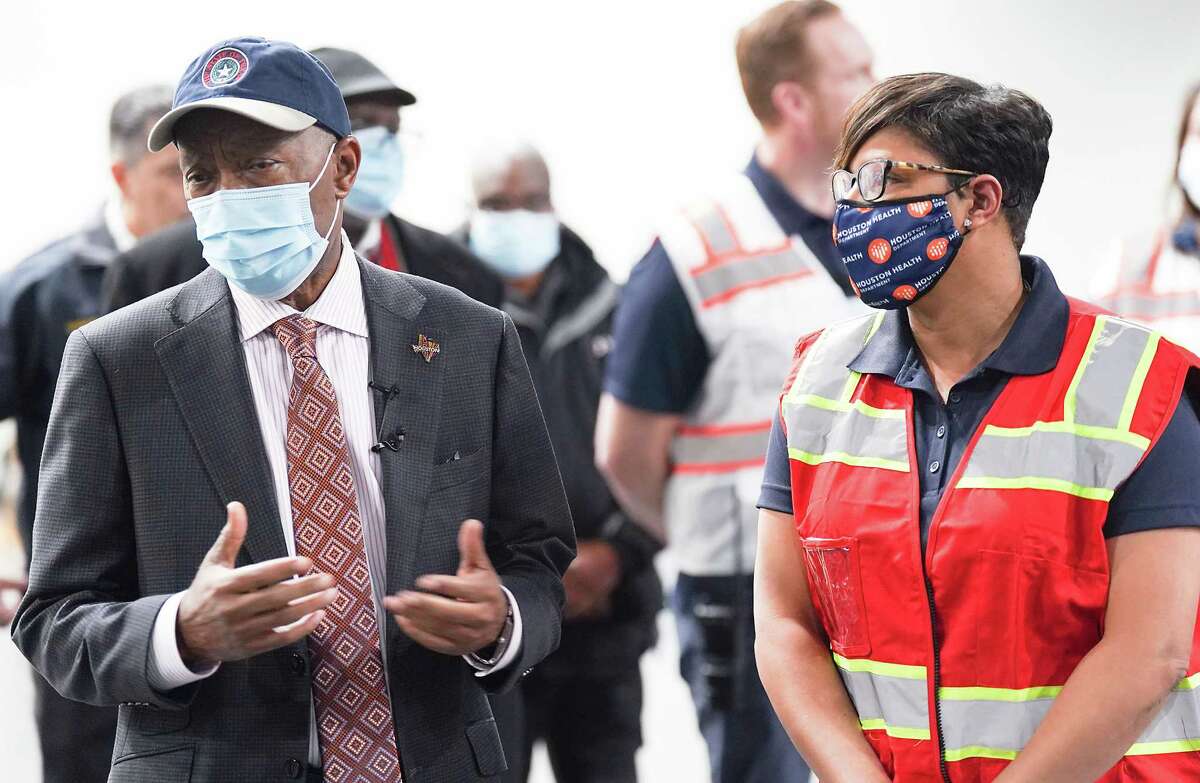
426	348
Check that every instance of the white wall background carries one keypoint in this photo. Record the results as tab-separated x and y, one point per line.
635	103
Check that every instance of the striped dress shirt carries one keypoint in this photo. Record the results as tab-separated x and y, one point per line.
343	350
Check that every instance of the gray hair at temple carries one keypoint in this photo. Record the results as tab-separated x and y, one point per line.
132	117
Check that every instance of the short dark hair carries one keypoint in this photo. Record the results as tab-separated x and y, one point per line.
988	129
773	48
133	114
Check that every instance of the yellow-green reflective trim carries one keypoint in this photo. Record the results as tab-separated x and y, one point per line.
1035	482
1080	430
1069	400
999	694
900	732
979	752
851	384
878	322
824	403
1139	379
848	459
1189	683
902	670
1166	746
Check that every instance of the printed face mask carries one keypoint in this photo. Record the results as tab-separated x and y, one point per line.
263	240
895	251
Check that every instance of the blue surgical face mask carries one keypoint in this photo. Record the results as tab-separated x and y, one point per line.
515	243
380	175
895	251
263	240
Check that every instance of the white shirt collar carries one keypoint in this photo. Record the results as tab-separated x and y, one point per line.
118	229
340	305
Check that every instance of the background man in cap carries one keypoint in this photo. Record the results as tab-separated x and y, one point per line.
311	431
374	102
42	300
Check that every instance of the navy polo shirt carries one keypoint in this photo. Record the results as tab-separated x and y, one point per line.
659	358
1164	491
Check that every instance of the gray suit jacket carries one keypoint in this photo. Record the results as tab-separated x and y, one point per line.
153	431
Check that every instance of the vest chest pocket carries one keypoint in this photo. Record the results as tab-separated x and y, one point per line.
836	586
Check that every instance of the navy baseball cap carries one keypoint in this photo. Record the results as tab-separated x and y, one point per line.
272	82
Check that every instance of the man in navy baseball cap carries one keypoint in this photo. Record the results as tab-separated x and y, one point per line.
272	82
295	411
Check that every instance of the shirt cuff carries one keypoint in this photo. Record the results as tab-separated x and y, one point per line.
167	671
511	648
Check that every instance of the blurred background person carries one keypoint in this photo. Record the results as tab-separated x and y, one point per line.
585	700
1154	276
719	299
42	300
374	102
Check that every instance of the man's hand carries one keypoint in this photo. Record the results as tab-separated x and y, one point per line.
231	613
590	580
8	604
458	614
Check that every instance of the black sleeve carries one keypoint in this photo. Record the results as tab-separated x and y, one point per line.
122	286
1164	491
776	492
659	358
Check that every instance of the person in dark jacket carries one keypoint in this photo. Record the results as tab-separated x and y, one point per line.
374	103
585	700
42	300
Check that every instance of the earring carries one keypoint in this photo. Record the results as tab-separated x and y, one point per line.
966	225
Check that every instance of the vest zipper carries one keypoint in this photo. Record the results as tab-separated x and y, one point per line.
937	682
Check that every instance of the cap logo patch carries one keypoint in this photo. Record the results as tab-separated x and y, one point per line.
226	66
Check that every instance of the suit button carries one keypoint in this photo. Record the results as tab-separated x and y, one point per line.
299	665
294	769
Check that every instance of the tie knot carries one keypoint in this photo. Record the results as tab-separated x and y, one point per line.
298	336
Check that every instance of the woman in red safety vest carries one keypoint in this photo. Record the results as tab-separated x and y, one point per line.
981	512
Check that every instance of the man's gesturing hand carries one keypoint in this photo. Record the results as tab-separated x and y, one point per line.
231	613
468	611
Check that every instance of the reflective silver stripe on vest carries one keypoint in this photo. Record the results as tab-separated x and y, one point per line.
1114	352
1092	449
856	432
741	447
824	372
897	702
715	230
1080	462
998	723
742	272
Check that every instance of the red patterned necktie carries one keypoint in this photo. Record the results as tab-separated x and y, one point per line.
354	714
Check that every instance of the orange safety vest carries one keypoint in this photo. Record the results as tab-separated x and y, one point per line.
1158	284
953	657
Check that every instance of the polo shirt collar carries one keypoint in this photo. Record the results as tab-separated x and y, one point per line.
792	217
340	305
1032	345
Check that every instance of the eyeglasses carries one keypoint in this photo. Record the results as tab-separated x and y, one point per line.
872	177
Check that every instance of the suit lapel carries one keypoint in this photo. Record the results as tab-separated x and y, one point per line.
396	321
206	369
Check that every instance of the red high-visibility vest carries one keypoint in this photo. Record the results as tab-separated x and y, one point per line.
953	658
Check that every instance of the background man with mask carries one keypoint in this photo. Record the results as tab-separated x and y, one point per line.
315	416
706	325
42	300
584	700
374	103
978	545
